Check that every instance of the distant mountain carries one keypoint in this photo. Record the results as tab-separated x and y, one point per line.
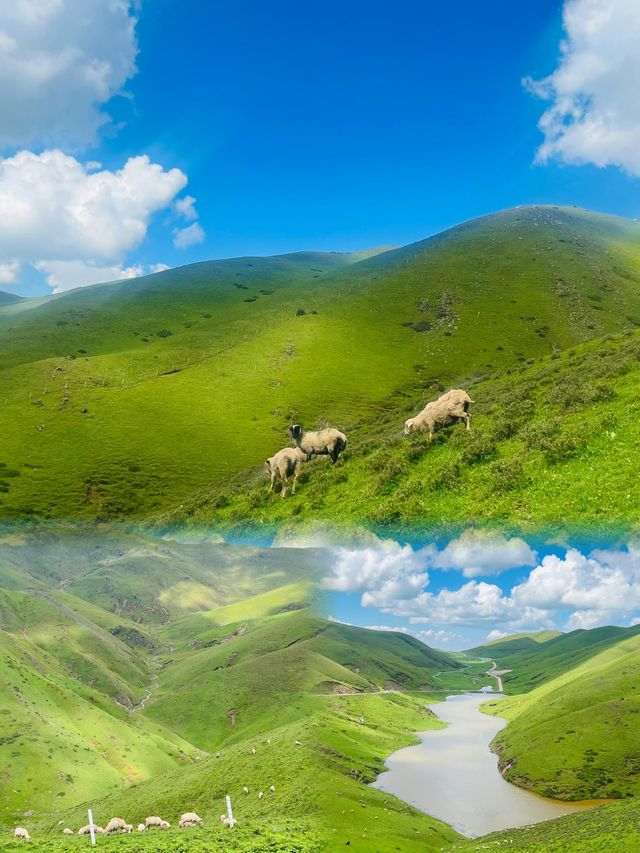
513	643
534	665
9	298
127	399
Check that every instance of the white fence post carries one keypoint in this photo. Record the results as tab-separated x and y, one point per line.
92	830
232	820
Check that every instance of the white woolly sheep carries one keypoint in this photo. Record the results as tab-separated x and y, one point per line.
116	824
272	788
21	832
190	819
141	827
67	831
245	789
85	830
444	411
261	795
154	820
326	442
253	750
298	743
284	464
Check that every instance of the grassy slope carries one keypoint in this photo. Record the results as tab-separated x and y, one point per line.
169	415
577	736
553	446
603	830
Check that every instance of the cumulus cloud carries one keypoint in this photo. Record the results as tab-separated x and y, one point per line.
483	552
496	634
385	573
76	223
428	636
60	62
193	234
9	272
185	207
594	116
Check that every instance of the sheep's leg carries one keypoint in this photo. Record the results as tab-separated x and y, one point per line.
468	420
273	481
285	480
295	481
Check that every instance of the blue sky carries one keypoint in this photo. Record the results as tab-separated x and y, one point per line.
483	585
297	126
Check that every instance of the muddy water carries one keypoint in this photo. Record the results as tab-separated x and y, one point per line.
453	775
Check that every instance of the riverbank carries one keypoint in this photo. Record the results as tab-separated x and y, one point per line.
452	774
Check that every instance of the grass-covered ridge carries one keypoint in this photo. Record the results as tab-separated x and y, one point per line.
576	736
553	445
126	399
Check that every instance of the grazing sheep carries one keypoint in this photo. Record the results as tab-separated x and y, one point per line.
284	464
86	830
298	743
190	819
225	820
327	442
116	824
245	789
154	820
272	788
261	795
67	831
21	832
446	410
141	827
459	401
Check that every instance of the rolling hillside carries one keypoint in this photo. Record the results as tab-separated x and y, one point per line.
513	643
535	665
552	446
126	399
576	736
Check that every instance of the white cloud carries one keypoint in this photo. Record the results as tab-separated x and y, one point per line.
193	234
77	224
484	552
606	582
385	573
9	272
60	62
65	275
496	635
428	636
594	116
185	207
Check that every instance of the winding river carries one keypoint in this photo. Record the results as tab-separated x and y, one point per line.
453	776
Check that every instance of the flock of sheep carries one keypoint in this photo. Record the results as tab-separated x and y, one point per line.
448	409
116	824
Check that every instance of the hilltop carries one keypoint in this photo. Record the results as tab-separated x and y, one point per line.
127	399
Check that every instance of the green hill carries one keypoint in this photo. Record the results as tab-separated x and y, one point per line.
553	447
513	643
129	398
576	736
535	665
601	830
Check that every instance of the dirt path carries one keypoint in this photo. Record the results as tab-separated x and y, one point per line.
497	674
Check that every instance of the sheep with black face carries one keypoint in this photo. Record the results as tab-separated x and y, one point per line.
325	442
